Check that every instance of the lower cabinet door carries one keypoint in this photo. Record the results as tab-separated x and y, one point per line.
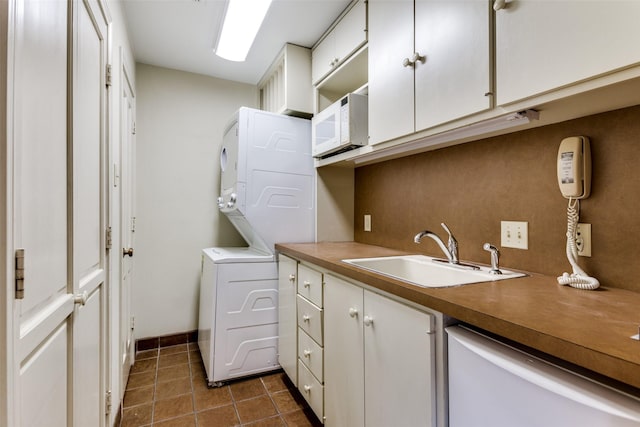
343	354
399	360
311	390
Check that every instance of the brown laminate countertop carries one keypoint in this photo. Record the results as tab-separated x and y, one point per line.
591	329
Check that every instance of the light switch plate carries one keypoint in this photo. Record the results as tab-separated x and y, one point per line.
514	234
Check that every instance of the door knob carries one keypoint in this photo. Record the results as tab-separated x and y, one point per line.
368	321
80	299
127	251
353	312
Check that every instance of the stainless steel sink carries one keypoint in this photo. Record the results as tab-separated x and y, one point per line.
427	272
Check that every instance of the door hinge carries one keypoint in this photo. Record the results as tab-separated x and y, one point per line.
19	273
107	402
133	323
108	238
133	128
108	75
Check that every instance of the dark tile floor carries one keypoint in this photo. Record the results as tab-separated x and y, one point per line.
167	387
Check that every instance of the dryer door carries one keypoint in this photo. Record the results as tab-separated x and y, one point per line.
229	169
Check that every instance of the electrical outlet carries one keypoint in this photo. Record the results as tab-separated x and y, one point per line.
514	234
583	239
367	223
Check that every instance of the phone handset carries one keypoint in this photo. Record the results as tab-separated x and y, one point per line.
574	167
574	180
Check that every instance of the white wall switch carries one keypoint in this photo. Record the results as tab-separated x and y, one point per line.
367	223
514	234
583	239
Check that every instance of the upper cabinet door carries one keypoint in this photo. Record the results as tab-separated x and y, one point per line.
345	38
391	90
545	45
455	79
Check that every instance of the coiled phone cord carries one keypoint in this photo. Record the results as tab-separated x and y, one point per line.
578	279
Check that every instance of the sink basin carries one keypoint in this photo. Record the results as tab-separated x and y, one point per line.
427	272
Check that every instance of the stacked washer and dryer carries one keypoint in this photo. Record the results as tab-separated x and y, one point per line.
268	194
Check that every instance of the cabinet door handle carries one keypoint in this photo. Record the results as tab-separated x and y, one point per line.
368	321
499	4
292	277
307	283
306	317
416	57
353	312
307	388
307	353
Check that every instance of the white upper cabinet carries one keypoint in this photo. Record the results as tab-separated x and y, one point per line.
545	45
391	91
428	67
455	79
345	38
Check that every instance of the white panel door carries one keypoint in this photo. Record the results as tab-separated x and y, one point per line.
88	203
399	360
127	220
37	119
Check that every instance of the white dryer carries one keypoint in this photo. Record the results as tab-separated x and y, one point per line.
268	194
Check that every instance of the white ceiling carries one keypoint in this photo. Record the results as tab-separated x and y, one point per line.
181	34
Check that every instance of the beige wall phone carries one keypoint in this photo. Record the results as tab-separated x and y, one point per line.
574	180
574	167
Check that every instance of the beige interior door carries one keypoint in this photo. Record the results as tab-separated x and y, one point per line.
127	221
88	209
56	128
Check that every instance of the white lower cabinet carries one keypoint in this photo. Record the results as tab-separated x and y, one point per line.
287	321
380	359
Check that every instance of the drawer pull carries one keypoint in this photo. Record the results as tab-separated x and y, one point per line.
292	277
307	283
353	312
368	321
306	317
307	353
307	388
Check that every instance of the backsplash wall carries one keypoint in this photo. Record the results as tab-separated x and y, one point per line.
474	186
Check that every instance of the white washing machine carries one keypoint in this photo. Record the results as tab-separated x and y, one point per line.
268	193
238	321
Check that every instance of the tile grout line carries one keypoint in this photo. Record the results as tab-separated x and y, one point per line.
272	401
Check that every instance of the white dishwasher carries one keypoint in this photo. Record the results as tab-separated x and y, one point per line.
494	385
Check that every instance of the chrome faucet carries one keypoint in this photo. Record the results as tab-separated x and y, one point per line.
451	250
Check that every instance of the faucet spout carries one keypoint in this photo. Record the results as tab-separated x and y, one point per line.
426	233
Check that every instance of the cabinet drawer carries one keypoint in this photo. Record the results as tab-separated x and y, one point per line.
311	354
311	389
310	284
310	319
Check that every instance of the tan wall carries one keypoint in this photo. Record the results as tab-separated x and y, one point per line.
472	187
180	121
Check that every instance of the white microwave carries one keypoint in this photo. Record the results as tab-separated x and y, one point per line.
341	126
